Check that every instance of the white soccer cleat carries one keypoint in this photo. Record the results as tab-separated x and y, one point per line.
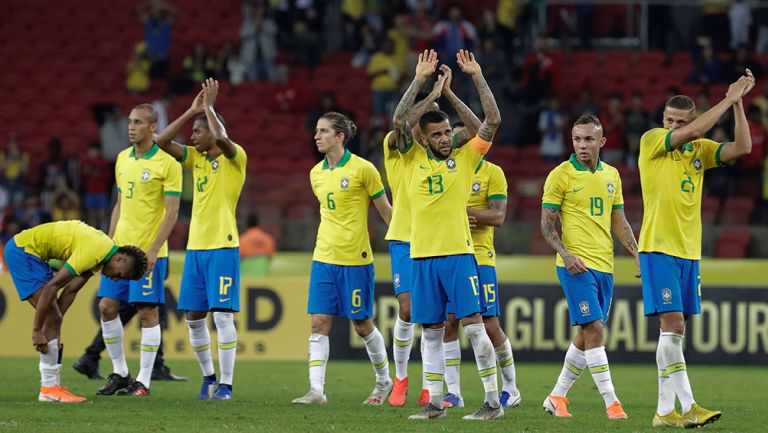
379	394
312	397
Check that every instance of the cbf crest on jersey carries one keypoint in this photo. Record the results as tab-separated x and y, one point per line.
450	163
584	307
344	183
396	281
697	164
146	175
215	164
666	295
475	187
611	188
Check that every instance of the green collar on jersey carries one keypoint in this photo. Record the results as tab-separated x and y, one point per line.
344	159
577	165
152	151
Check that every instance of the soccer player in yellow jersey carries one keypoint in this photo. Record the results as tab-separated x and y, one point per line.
487	209
399	234
148	190
341	279
211	277
439	179
586	194
672	162
84	250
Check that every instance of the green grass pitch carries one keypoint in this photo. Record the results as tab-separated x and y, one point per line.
263	392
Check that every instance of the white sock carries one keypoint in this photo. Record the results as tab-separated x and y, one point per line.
597	360
506	360
150	342
402	342
200	339
666	393
113	339
452	366
377	352
319	347
49	365
486	361
672	352
433	358
424	384
227	339
575	362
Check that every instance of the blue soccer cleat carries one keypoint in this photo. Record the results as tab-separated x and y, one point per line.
508	400
208	388
223	392
453	400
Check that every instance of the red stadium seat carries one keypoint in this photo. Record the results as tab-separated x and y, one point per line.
737	211
732	244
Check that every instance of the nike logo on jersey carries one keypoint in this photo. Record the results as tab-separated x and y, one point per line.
147	293
421	166
355	311
198	166
575	190
224	299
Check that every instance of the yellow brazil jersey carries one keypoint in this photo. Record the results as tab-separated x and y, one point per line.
217	183
439	192
672	181
488	183
142	184
585	199
344	193
81	247
400	226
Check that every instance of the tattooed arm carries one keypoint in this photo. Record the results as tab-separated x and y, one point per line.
494	216
549	231
492	119
424	68
471	122
625	235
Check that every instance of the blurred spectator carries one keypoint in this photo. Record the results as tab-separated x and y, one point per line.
638	122
66	204
198	65
400	34
31	213
495	71
489	28
258	42
113	133
305	45
702	102
137	71
551	123
449	36
158	18
658	114
161	106
706	66
420	25
352	12
539	71
752	163
257	248
585	105
741	18
585	11
14	163
96	174
614	131
287	94
367	47
761	18
740	62
714	22
384	76
761	102
229	65
55	168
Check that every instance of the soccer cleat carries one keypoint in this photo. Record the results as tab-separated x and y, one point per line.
672	419
699	417
424	398
208	387
399	391
379	394
508	400
115	383
429	412
164	373
223	392
87	367
486	412
136	389
452	400
615	411
58	393
311	397
557	406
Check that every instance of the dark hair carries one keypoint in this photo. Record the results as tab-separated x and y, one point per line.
681	102
341	124
587	119
458	124
435	116
202	118
140	262
151	109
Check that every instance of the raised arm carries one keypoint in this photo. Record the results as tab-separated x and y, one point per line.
424	68
210	91
47	296
493	216
490	124
742	143
549	218
165	139
471	121
699	126
625	235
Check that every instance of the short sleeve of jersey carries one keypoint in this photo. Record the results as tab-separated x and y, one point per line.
189	157
240	159
92	250
172	182
372	181
118	163
470	150
618	199
497	185
554	189
408	154
710	153
655	143
388	152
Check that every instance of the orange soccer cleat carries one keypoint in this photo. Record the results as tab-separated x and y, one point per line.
557	406
615	411
58	393
399	391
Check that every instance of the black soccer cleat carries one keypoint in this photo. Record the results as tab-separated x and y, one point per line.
115	383
164	373
88	368
136	389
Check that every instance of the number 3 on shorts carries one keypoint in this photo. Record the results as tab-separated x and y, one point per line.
357	301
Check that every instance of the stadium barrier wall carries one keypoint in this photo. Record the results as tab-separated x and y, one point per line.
273	324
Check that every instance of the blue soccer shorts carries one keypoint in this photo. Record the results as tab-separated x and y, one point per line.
402	266
211	280
670	284
150	289
339	290
589	295
29	273
446	284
